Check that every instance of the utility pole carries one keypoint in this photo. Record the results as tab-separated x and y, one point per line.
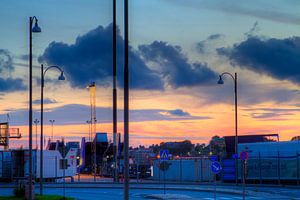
52	122
92	88
36	121
115	120
126	103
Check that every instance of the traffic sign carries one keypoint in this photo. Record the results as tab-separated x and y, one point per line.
216	167
244	155
235	156
164	154
213	158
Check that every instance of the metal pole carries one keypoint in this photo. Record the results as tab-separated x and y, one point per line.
52	122
115	88
42	130
236	125
36	121
30	108
278	168
126	104
137	170
215	184
244	182
164	166
260	174
64	171
297	157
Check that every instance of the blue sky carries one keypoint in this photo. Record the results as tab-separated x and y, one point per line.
178	49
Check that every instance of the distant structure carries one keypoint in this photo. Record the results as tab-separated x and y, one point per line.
103	149
93	122
229	141
7	133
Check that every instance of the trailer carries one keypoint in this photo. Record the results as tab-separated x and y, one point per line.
54	164
272	161
14	164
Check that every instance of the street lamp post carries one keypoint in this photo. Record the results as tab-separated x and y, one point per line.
126	102
236	120
61	78
34	29
52	122
89	125
116	172
36	121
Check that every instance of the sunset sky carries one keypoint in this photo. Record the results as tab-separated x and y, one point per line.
178	49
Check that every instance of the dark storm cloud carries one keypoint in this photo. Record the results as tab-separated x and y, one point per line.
278	58
175	67
7	83
90	59
10	85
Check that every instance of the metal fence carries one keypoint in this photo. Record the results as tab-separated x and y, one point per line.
198	169
276	167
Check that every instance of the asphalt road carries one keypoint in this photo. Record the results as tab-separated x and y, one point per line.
85	193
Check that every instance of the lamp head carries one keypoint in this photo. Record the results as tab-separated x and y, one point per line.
36	28
61	77
220	81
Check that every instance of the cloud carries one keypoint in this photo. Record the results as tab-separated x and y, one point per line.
205	45
178	112
90	59
6	61
285	13
214	36
271	113
46	101
10	85
7	82
175	67
78	114
278	58
253	30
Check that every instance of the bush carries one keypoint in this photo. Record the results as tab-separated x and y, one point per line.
19	191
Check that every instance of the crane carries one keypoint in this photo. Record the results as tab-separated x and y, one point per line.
93	122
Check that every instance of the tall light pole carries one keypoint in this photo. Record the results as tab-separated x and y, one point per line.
89	126
116	171
34	29
126	103
52	122
61	78
36	121
234	78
